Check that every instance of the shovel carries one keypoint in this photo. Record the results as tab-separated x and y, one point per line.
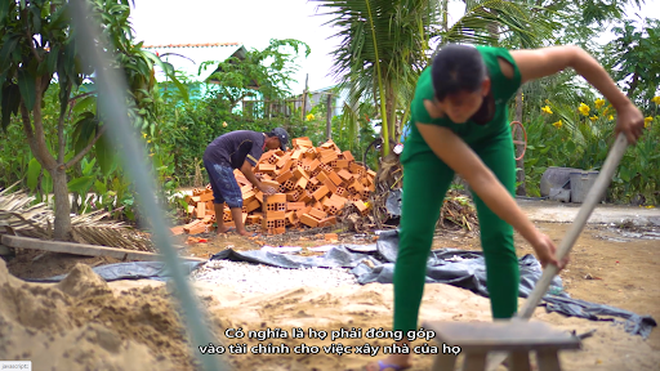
595	195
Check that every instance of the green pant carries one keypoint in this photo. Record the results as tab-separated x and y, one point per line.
425	183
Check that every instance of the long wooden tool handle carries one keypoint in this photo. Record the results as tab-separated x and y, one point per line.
595	194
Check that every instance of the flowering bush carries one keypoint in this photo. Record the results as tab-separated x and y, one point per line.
581	136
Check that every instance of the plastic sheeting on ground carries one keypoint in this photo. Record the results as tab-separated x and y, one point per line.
459	268
375	263
154	270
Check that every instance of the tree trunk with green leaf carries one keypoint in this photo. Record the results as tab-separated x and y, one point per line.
37	46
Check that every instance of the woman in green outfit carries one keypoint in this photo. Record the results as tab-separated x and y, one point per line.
460	125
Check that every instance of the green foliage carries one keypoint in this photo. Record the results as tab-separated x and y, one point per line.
267	72
581	136
633	58
48	88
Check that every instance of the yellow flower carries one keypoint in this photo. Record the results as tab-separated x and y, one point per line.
656	100
647	121
224	124
584	109
593	118
144	135
606	110
547	110
611	117
309	117
558	124
547	101
651	206
599	103
149	141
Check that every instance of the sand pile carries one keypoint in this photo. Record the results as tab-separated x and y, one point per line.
80	324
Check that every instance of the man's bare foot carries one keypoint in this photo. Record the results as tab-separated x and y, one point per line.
225	230
245	233
392	363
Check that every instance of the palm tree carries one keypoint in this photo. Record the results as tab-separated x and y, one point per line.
385	45
383	48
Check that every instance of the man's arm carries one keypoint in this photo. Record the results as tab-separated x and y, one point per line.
246	169
534	64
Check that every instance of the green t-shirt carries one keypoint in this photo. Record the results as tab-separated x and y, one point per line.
503	88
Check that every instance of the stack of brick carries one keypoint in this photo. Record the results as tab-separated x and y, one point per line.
313	185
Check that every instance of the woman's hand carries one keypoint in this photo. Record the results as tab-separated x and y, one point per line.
629	121
546	251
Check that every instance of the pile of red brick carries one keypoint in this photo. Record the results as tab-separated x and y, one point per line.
314	185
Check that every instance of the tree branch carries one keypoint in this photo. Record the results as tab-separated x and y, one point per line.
84	151
83	95
61	140
30	36
37	144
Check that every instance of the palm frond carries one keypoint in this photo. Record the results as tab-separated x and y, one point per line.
517	22
19	216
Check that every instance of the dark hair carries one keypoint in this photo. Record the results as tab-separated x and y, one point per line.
457	68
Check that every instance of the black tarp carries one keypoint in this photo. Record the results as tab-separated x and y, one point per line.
154	270
375	263
459	268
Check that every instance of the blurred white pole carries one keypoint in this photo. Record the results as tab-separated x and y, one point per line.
112	98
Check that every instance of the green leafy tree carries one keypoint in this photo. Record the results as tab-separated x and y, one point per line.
267	72
38	52
385	45
633	59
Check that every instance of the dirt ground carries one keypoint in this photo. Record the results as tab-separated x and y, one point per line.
141	327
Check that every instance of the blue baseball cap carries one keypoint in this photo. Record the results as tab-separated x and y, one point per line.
282	135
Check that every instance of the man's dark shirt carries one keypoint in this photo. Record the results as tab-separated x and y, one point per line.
232	149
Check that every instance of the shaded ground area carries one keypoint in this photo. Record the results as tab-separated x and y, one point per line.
615	264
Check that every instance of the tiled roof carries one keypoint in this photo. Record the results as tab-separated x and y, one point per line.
207	45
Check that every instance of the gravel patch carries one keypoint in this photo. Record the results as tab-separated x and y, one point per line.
258	278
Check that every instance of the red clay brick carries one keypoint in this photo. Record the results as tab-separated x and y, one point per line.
331	186
200	210
332	220
335	178
322	191
252	205
331	237
275	198
206	196
341	164
293	196
360	206
309	220
301	184
284	177
300	173
345	175
318	214
322	176
299	213
295	205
